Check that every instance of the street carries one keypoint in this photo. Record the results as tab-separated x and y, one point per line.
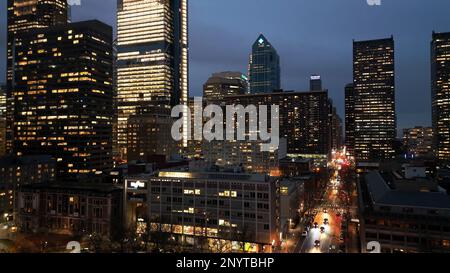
325	233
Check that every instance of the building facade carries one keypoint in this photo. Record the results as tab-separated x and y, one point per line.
224	84
374	86
24	15
3	119
152	57
315	83
305	120
17	171
418	142
63	96
403	216
350	119
149	137
225	208
71	209
440	95
264	67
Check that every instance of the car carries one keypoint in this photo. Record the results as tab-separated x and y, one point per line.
325	211
338	214
316	225
317	243
304	233
325	221
322	229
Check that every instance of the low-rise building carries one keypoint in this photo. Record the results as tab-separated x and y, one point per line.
401	217
238	211
291	202
70	208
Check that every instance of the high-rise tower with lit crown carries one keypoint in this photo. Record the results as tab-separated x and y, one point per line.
152	58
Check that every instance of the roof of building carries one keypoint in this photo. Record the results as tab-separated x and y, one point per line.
382	194
214	176
75	186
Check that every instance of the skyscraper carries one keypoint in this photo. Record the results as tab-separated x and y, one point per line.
224	84
374	86
264	67
24	15
63	96
440	95
2	120
315	83
350	119
152	57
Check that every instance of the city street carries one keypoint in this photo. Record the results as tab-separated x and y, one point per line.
325	234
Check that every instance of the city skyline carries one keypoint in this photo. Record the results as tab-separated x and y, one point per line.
103	149
300	53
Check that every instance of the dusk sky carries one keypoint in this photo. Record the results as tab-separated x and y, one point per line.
311	37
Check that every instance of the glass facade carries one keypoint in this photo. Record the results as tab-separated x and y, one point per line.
152	58
374	87
440	67
264	67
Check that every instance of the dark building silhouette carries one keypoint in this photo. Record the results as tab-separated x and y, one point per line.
264	67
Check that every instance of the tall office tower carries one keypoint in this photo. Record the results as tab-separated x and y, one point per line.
374	84
224	84
152	58
418	142
264	67
24	15
2	120
63	96
440	76
315	83
350	119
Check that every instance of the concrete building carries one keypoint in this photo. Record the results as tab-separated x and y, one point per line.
418	142
149	135
225	208
71	209
403	215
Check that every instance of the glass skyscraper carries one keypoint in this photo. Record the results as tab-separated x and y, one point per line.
152	58
374	95
440	75
264	67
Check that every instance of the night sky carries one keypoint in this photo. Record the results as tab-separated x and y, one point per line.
311	36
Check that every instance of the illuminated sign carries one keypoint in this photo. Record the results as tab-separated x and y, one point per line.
315	77
137	185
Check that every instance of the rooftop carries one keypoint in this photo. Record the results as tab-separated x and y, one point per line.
382	194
